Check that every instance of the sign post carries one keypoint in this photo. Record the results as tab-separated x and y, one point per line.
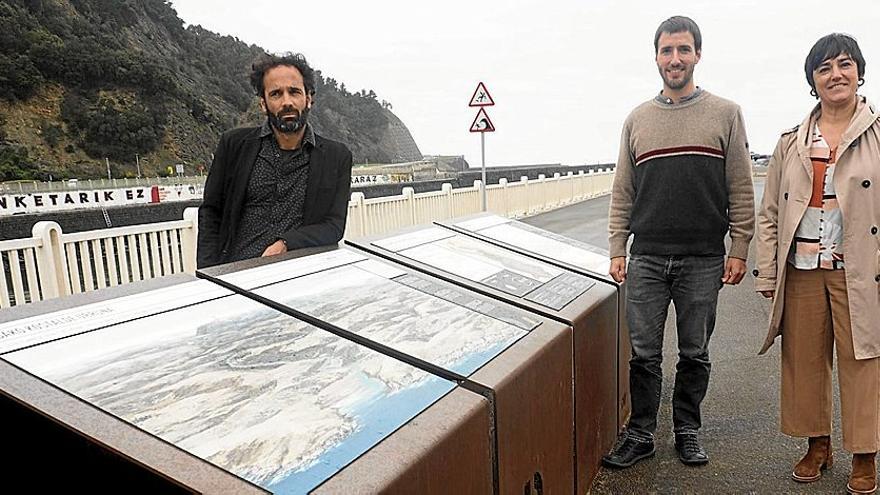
484	186
482	124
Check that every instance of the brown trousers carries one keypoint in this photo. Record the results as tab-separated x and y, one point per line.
815	320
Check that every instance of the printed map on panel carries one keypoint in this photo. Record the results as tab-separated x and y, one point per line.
274	400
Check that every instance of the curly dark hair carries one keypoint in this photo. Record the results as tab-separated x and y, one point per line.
830	46
269	61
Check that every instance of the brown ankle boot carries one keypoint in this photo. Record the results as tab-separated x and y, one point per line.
863	479
817	459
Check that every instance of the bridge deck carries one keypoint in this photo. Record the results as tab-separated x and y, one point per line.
740	413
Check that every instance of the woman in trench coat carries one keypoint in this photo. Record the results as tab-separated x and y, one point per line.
818	258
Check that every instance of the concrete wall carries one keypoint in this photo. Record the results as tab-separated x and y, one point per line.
467	178
90	219
20	226
512	174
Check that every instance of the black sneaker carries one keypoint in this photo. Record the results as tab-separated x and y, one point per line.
627	452
689	449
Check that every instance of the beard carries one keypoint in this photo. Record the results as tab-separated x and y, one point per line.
288	126
676	84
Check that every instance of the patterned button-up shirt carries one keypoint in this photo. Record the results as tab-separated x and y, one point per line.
275	195
818	240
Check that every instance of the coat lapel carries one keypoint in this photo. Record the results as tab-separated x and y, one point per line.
805	142
316	169
862	120
250	149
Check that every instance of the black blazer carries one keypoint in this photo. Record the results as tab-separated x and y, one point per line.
324	211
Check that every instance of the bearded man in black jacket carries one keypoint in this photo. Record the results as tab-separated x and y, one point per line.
278	186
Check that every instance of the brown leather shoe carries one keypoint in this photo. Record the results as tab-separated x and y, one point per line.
817	459
863	479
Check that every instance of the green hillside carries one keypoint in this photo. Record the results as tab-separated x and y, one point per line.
85	80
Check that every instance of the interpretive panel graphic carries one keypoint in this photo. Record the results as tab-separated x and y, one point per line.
541	242
458	296
276	401
411	239
43	328
559	291
496	267
364	298
297	267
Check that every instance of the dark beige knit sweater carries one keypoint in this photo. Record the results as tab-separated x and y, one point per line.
683	180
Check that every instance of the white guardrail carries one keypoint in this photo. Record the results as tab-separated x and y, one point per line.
53	264
49	201
33	186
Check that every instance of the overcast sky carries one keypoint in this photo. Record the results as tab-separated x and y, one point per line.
564	74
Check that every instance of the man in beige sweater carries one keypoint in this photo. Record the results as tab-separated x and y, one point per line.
682	182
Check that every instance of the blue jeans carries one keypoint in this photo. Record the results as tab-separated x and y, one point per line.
692	284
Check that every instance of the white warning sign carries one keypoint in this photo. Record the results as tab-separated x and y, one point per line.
481	97
482	122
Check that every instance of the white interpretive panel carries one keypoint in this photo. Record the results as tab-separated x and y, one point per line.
378	301
496	267
263	395
540	242
25	332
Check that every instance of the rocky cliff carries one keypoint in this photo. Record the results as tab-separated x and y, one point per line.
82	81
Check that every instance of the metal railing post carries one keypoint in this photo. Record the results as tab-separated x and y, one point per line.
505	201
557	193
51	262
446	189
542	192
360	220
580	186
410	200
189	240
483	193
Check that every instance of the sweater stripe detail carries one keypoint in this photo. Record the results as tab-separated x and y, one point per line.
678	151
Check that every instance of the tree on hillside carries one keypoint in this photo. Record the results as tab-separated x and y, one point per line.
19	79
15	164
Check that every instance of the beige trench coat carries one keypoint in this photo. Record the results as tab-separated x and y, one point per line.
857	184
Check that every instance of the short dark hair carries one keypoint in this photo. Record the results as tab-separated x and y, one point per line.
269	61
830	46
679	24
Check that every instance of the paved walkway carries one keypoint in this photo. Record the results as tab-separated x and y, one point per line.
740	414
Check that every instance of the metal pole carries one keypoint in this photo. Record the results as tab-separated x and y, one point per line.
137	159
107	160
483	153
